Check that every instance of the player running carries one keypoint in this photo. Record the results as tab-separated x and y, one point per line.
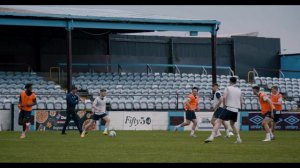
267	111
232	103
191	105
217	108
99	109
26	101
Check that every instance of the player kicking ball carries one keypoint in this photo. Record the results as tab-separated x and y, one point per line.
99	109
217	99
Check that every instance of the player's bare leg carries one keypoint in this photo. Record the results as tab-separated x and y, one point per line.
213	121
23	122
217	125
265	123
85	127
273	127
107	122
227	129
193	128
236	131
187	122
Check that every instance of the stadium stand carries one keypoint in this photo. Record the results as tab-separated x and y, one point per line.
50	95
140	91
167	91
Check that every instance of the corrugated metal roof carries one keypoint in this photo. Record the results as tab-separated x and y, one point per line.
92	14
187	34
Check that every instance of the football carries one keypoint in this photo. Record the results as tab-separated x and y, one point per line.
112	133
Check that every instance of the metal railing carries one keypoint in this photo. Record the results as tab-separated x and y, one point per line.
51	72
270	70
149	67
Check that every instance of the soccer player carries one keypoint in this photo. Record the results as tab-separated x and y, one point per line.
232	103
217	108
276	99
72	101
26	101
191	105
99	109
266	110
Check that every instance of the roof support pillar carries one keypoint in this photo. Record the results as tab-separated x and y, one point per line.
214	54
69	54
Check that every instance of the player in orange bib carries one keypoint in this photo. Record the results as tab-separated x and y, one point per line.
191	105
276	99
267	111
26	101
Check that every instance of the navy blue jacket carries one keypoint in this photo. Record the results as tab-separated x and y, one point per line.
72	100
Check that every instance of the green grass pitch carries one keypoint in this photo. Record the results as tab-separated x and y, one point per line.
147	146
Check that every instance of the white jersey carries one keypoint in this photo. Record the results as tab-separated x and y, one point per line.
100	103
233	98
216	99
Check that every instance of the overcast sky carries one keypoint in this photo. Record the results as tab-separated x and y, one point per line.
279	21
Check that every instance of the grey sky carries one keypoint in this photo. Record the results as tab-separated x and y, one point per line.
280	21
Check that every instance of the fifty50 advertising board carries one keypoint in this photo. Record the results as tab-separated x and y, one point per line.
137	120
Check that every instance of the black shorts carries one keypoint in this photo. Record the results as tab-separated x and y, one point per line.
97	117
24	115
228	115
268	114
190	115
277	115
218	112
